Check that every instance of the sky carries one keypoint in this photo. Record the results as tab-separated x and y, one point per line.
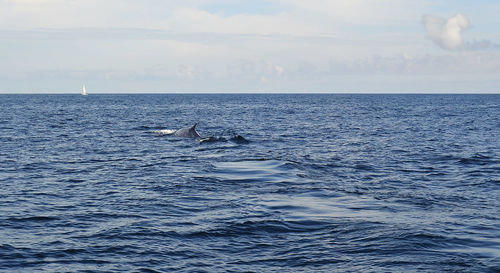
367	46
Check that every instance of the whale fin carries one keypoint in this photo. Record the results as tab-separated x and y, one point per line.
193	132
188	132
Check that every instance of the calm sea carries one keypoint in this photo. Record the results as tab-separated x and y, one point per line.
290	183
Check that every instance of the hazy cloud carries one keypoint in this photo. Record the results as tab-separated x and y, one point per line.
481	44
446	33
272	71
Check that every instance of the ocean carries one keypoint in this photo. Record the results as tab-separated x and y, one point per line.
288	183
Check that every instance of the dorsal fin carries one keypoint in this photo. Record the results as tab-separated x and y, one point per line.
192	131
188	132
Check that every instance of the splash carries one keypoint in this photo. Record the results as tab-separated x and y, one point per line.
165	131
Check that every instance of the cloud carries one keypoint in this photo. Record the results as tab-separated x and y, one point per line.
480	45
272	71
446	33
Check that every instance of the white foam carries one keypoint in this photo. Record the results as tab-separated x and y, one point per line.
165	131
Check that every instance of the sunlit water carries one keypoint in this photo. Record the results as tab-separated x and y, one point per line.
290	183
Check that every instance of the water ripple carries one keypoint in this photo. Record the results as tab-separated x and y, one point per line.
283	183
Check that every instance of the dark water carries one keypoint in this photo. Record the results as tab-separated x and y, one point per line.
325	183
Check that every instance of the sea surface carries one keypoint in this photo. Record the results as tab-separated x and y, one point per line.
287	183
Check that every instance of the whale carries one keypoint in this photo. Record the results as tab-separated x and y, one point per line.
189	132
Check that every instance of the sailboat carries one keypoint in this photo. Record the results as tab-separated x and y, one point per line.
84	92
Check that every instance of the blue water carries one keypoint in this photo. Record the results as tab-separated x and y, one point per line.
313	183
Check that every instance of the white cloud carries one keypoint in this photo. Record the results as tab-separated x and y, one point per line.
271	72
274	69
446	33
297	17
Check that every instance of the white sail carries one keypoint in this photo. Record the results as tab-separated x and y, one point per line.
84	92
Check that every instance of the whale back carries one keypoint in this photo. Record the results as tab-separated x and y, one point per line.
188	132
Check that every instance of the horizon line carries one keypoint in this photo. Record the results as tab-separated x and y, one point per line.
256	92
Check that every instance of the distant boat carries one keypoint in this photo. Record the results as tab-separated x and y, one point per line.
84	92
